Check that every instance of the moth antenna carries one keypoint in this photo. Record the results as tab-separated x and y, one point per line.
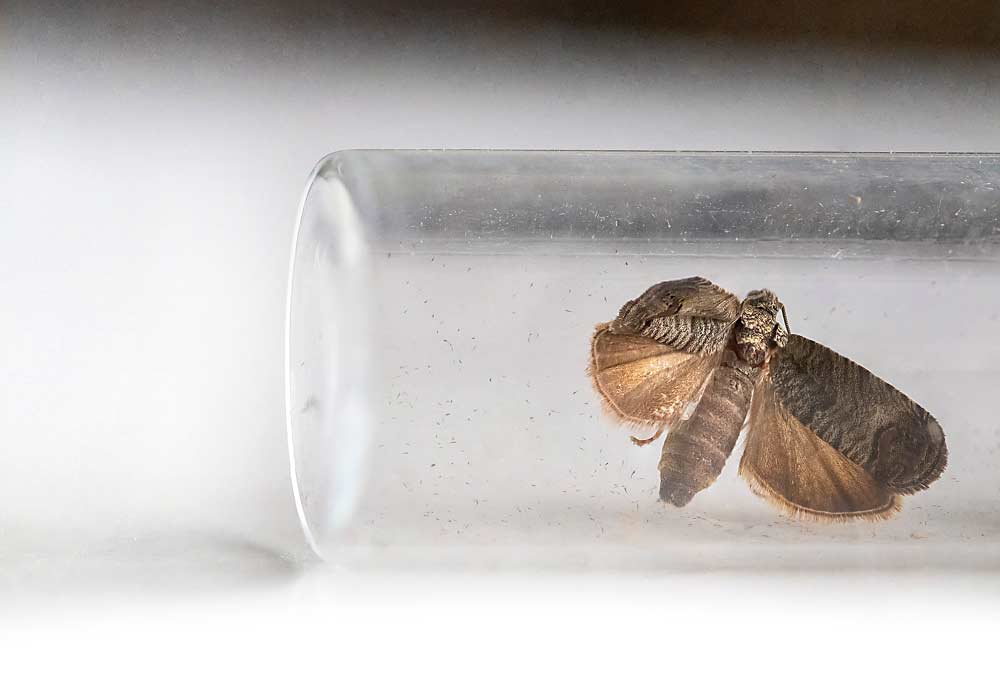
784	317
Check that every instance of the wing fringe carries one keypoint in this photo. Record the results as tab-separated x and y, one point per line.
797	512
608	407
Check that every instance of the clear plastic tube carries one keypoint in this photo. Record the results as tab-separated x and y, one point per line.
440	309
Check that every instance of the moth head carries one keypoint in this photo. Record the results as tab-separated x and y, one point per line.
764	303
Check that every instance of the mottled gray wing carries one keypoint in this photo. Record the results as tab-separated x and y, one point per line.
864	418
693	315
791	466
645	383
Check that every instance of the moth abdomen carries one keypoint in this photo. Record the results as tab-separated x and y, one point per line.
695	452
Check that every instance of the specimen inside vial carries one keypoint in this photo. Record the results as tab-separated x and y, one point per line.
826	439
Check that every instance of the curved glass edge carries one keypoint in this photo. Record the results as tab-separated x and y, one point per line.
289	432
328	255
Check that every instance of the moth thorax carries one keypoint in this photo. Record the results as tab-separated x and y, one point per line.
757	328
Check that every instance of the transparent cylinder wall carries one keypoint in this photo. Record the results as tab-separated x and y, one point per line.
440	313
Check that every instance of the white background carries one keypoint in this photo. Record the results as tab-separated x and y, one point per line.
151	160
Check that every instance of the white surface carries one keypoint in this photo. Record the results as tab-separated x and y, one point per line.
503	628
150	167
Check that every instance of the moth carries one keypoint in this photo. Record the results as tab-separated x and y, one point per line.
826	438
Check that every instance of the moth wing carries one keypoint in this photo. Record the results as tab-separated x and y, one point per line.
642	382
696	297
868	421
791	466
693	315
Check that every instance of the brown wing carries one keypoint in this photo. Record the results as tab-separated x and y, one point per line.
789	465
859	415
642	382
690	314
693	297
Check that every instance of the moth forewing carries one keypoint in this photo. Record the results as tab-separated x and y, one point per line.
865	419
